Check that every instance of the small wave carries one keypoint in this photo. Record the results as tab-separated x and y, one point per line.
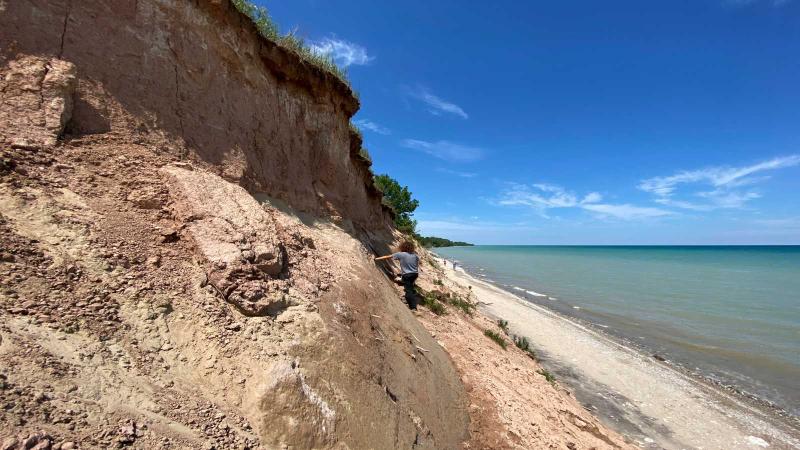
757	441
518	288
553	298
576	307
490	280
535	294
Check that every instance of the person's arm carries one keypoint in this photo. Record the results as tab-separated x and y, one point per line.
380	258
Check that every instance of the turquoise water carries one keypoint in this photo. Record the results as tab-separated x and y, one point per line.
728	313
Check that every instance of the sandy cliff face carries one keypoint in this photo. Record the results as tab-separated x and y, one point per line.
195	80
186	243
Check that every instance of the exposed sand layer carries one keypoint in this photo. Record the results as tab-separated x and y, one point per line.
650	402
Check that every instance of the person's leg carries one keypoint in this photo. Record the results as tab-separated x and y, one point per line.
411	293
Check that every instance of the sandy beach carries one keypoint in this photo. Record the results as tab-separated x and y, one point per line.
653	404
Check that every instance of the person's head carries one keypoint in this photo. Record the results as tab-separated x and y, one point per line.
407	246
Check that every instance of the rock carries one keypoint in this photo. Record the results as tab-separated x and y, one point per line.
38	99
127	433
236	326
168	235
68	446
146	198
22	144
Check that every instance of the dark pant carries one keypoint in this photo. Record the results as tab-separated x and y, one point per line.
411	293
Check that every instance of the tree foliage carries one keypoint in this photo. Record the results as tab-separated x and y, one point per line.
433	241
400	199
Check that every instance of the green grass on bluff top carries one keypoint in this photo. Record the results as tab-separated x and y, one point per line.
290	41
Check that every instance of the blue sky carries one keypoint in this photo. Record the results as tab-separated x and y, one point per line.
578	122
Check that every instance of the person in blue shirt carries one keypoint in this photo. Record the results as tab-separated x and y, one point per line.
409	270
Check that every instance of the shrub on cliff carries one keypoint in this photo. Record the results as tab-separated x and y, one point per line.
431	302
523	344
400	199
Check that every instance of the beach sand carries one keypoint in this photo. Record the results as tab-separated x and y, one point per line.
650	402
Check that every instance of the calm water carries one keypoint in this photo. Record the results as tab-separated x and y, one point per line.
731	313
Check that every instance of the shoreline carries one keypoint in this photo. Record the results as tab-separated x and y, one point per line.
655	403
626	341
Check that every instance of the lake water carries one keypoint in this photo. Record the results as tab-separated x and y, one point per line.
729	313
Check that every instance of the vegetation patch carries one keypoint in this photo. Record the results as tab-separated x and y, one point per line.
466	306
496	337
503	324
430	301
547	376
268	29
523	344
401	201
435	242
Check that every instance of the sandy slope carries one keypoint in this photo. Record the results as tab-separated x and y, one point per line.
648	401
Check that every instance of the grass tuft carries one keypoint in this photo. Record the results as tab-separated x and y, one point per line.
464	305
547	376
503	324
496	337
429	300
268	29
364	154
523	344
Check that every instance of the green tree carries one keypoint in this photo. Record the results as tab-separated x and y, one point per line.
400	199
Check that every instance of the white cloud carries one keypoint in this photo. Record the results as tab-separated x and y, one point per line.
542	197
372	126
446	150
457	173
626	211
724	180
437	105
592	197
344	53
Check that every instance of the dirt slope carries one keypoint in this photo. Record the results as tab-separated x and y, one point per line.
164	306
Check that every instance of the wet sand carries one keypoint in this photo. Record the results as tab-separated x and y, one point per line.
653	404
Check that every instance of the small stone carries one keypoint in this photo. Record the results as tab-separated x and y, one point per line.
154	261
22	144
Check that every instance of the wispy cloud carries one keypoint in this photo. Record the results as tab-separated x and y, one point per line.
543	197
437	105
372	126
446	150
457	173
626	211
454	225
344	53
726	184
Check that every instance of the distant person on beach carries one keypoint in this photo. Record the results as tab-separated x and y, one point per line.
409	270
